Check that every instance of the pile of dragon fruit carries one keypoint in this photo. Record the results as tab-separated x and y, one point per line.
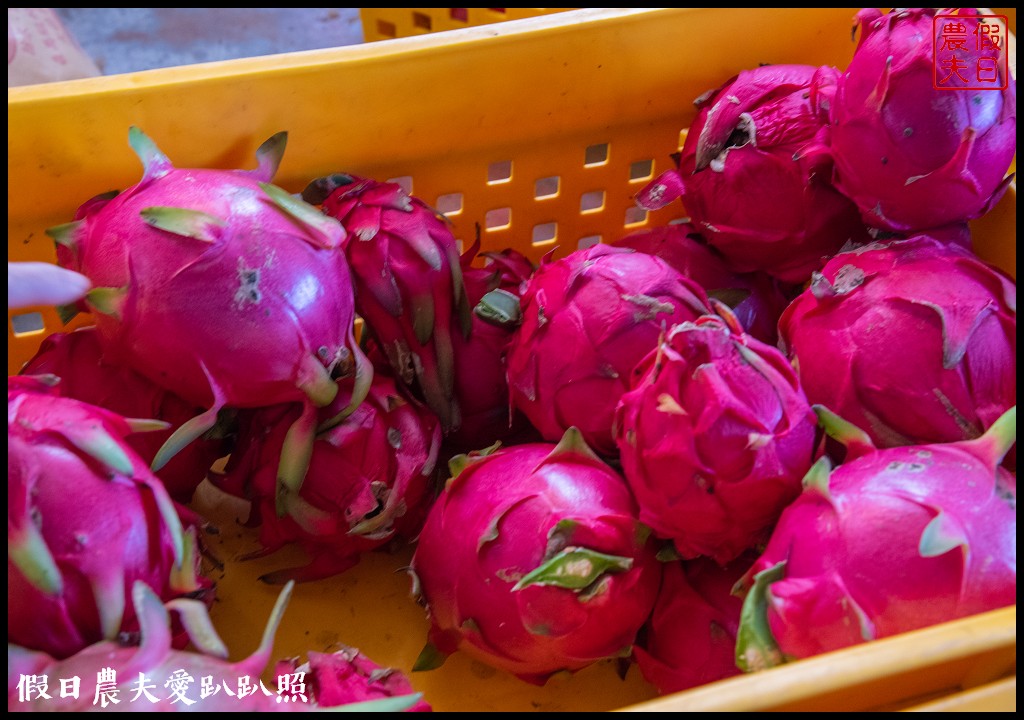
783	427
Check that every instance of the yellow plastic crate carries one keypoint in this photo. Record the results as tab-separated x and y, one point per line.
389	23
541	131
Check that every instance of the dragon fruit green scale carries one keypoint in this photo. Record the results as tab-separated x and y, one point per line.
914	146
891	540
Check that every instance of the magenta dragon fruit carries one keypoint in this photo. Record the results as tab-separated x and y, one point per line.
690	639
909	153
755	173
408	280
481	384
532	561
85	519
154	677
913	341
370	479
756	298
890	541
348	676
220	287
587	320
714	436
77	359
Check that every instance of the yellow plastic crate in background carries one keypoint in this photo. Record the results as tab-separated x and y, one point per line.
540	131
389	23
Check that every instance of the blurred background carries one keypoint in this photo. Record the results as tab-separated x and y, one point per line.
121	40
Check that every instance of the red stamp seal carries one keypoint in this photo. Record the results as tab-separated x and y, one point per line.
969	52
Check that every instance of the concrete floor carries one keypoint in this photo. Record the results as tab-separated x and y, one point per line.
123	40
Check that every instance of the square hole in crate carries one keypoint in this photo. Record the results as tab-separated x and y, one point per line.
635	216
596	155
422	21
405	182
450	204
460	14
386	29
592	201
544	233
641	170
498	219
499	172
588	241
497	10
27	324
546	188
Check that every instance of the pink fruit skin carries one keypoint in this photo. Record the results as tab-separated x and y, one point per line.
347	676
690	639
498	520
588	318
257	301
912	156
374	468
481	386
77	359
755	174
714	437
97	519
906	358
408	281
855	569
756	298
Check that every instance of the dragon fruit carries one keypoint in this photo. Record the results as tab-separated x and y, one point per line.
892	540
690	638
532	561
587	320
162	678
481	386
77	359
756	298
85	520
714	436
220	287
370	479
913	341
911	155
347	676
755	173
409	288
